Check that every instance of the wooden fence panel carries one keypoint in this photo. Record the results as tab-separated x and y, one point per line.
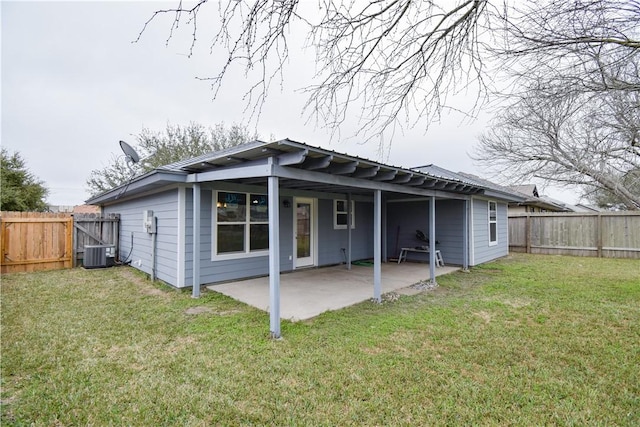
34	241
93	229
518	227
621	236
606	234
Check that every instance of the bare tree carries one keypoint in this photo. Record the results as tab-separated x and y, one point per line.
386	64
572	115
160	148
587	140
377	63
606	199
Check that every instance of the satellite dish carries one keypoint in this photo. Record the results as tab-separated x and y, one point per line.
129	152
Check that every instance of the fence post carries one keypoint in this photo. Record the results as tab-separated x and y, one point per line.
69	242
75	243
527	233
599	234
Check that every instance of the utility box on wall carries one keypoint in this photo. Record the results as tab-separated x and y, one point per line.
148	222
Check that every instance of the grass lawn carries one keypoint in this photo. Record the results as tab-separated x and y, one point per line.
527	340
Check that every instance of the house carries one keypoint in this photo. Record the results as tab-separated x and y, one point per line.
265	208
534	202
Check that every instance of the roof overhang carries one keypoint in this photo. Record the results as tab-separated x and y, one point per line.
151	181
302	167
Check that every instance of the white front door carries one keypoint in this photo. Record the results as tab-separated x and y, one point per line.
304	236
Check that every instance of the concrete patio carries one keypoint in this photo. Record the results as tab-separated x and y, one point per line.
307	293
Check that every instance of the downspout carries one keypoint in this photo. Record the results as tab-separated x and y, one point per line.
154	239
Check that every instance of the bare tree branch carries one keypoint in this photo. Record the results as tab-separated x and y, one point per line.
385	65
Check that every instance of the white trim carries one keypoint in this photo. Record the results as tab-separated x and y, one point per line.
489	222
181	237
314	232
247	253
239	255
337	226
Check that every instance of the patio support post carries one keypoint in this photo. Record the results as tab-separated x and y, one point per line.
384	229
377	234
432	239
349	213
465	236
274	257
195	292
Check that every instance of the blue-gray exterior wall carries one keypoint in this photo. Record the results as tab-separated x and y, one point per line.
165	209
406	217
330	241
174	252
482	250
230	269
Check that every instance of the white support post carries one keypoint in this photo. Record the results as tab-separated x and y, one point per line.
377	234
465	236
384	230
349	213
196	240
274	257
432	239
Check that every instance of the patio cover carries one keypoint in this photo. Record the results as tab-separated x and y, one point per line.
287	164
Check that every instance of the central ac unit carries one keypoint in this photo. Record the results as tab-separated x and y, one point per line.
98	256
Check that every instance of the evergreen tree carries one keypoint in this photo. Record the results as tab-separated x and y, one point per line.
20	190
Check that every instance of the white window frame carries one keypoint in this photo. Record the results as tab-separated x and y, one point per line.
247	253
336	212
492	221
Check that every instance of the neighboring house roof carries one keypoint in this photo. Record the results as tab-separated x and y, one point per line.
85	209
60	208
304	167
529	189
586	208
496	188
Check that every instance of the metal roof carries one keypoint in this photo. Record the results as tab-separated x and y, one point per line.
304	167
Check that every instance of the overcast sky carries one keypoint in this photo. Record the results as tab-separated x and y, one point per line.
74	84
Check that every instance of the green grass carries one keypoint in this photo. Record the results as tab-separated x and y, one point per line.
527	340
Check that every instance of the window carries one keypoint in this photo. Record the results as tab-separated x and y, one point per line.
493	223
241	223
340	214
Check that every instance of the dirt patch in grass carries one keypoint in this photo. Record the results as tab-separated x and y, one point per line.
145	285
198	310
194	311
486	317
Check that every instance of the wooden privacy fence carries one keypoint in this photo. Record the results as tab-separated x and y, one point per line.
33	241
604	234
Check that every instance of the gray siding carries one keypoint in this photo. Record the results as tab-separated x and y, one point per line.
231	269
332	241
404	218
482	251
165	209
450	217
